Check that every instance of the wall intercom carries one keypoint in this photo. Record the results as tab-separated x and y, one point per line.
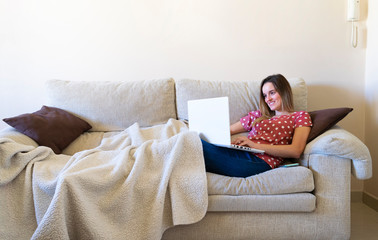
353	16
353	10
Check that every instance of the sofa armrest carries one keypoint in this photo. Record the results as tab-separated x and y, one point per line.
12	133
340	143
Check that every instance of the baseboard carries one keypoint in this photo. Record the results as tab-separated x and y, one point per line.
356	196
370	201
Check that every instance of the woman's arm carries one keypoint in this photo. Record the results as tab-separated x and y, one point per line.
237	128
293	150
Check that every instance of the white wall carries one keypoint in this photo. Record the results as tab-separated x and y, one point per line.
204	39
370	186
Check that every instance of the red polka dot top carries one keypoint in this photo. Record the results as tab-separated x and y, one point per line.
278	130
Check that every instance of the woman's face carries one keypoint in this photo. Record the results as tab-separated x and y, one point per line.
272	97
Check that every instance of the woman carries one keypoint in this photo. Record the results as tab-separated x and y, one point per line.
274	128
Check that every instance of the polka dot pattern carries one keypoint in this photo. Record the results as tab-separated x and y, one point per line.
278	130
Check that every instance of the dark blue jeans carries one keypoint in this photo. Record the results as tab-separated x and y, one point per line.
231	162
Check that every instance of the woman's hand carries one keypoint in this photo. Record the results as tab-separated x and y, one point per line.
243	141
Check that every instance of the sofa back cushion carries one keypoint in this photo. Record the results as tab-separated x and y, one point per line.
114	106
243	95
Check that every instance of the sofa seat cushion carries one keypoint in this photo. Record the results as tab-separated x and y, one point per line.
276	181
85	141
296	202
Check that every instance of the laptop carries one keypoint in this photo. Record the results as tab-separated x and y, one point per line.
210	117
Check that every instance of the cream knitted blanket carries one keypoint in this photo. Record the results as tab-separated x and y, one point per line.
135	185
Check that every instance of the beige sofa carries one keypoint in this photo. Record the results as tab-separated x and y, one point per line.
311	201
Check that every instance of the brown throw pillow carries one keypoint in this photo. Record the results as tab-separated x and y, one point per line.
50	127
322	120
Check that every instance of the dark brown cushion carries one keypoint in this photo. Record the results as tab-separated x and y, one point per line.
51	127
322	120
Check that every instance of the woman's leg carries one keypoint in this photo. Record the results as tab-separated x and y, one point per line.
231	162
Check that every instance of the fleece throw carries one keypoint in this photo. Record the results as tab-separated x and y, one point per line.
135	185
